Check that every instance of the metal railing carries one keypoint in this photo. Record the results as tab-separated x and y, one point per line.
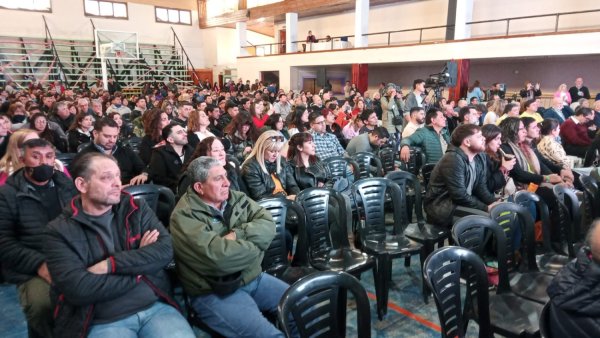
275	48
187	60
55	52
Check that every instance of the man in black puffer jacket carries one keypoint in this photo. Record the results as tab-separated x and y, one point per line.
107	254
575	293
458	179
31	198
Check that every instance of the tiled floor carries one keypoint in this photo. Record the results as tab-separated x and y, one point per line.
407	315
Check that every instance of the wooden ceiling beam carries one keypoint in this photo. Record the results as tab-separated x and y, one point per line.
292	6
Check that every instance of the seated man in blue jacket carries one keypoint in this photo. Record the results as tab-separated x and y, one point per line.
106	254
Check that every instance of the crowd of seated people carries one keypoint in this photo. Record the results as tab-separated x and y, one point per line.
266	142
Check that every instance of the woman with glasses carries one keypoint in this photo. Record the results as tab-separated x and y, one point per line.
241	132
213	147
264	173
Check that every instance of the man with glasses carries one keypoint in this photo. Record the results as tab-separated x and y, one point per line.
574	132
326	144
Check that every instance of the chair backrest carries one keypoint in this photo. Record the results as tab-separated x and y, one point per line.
569	217
134	143
66	158
406	181
148	192
442	272
317	304
426	171
276	255
525	199
388	157
338	167
318	235
83	145
474	232
415	161
510	217
591	201
369	164
369	194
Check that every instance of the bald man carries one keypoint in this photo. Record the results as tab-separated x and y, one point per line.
575	292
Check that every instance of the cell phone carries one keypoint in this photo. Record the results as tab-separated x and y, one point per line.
506	156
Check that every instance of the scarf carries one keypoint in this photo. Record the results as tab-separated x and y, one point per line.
526	157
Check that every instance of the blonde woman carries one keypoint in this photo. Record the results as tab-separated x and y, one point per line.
11	162
265	173
563	93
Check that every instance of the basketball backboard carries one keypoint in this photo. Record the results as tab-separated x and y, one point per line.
116	45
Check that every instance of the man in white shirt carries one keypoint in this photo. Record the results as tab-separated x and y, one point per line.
416	121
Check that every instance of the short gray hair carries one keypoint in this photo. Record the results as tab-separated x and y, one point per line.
198	168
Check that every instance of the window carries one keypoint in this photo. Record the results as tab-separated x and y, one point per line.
171	15
28	5
107	9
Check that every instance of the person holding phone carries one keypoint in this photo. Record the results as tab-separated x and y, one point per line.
498	163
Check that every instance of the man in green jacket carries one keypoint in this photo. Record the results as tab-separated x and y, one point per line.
219	238
433	138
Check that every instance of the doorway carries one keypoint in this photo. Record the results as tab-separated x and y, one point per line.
269	77
282	41
309	85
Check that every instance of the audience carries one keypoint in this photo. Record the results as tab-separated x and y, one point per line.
327	144
197	127
574	132
498	165
368	142
549	147
79	132
167	160
416	121
241	133
432	139
579	91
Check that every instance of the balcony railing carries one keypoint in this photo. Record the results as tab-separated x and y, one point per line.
543	23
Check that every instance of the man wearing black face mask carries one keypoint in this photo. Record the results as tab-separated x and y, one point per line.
32	197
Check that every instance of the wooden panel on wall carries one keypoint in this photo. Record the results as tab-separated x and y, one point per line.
203	74
180	4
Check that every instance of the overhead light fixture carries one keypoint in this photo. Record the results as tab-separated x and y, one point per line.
260	20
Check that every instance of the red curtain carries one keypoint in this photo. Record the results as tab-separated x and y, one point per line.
360	76
462	80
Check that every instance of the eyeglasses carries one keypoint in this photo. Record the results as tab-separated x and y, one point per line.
277	138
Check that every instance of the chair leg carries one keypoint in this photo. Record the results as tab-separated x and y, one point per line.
425	252
382	285
407	261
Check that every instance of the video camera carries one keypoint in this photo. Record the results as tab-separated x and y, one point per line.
437	80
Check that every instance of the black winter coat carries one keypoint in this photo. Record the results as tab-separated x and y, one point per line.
75	138
129	162
23	219
575	298
495	178
71	245
260	184
447	187
309	177
165	165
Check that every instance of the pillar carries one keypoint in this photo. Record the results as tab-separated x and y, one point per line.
240	34
360	76
361	23
291	32
459	13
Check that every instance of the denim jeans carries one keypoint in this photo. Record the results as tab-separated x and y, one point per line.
160	320
240	313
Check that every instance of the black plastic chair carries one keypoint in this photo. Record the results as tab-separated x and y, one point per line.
569	218
510	315
275	261
329	248
442	271
134	143
317	304
422	232
83	145
340	167
369	164
590	206
370	195
426	171
153	194
416	160
66	158
388	157
530	283
549	261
